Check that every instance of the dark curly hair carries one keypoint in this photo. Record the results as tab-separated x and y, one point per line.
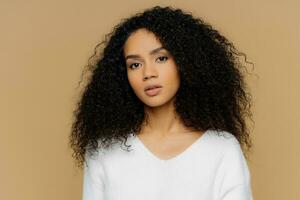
212	93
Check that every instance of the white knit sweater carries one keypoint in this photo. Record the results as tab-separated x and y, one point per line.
212	168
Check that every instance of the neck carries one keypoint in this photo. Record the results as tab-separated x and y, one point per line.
163	121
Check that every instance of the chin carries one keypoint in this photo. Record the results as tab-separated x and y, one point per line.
156	102
152	104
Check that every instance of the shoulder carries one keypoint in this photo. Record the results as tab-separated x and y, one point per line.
93	159
224	148
232	159
232	175
221	141
222	136
112	155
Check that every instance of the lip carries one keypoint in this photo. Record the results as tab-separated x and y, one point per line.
153	92
152	86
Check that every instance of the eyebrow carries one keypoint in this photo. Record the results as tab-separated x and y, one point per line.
151	53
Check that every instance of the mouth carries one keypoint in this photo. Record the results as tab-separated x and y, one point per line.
153	86
153	91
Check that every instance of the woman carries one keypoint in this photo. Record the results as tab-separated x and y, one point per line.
170	86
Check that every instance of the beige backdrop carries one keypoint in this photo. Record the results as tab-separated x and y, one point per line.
45	44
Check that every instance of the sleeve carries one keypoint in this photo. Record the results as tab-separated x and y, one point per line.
93	179
235	183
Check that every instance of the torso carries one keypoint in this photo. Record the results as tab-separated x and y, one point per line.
167	148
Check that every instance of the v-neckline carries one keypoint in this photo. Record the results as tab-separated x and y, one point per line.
176	157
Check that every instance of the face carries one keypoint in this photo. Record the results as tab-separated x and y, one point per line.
147	64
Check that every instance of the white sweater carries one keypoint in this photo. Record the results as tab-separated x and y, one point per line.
212	168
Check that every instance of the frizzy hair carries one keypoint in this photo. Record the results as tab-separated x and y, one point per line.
212	93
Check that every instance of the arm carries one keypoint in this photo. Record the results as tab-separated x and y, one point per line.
235	182
93	179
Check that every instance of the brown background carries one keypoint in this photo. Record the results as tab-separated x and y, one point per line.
45	44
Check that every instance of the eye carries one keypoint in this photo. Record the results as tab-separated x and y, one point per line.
161	58
130	66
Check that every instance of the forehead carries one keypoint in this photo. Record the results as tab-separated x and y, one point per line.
141	41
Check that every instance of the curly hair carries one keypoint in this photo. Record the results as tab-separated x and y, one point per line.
210	76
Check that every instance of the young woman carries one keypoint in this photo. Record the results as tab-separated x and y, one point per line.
169	87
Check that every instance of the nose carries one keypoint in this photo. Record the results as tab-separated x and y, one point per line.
149	71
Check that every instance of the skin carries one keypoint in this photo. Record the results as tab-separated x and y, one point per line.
164	133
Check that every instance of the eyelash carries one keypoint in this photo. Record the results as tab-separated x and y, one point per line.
130	66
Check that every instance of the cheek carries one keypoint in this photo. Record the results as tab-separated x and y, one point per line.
171	75
133	81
